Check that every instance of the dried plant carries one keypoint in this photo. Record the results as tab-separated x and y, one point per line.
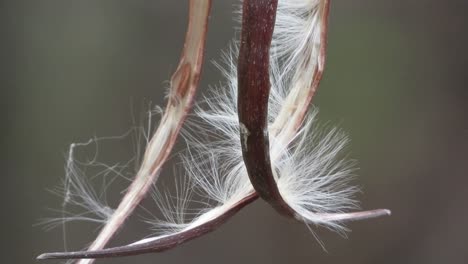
252	137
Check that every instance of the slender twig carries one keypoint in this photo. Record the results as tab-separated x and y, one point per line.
161	244
253	71
184	83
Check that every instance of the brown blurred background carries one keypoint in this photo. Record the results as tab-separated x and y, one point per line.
395	80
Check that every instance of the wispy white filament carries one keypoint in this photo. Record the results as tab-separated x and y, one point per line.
312	175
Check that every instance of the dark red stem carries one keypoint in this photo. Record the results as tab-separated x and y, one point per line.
159	245
258	21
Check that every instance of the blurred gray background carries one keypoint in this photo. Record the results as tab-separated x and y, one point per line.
395	81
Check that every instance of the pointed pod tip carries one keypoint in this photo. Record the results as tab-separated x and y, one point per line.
50	256
375	213
42	256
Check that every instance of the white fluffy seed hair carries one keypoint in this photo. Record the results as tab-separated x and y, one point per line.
85	169
77	191
312	175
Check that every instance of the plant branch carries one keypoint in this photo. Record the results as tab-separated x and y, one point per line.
159	245
253	71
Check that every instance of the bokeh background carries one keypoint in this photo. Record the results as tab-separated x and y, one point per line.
395	80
